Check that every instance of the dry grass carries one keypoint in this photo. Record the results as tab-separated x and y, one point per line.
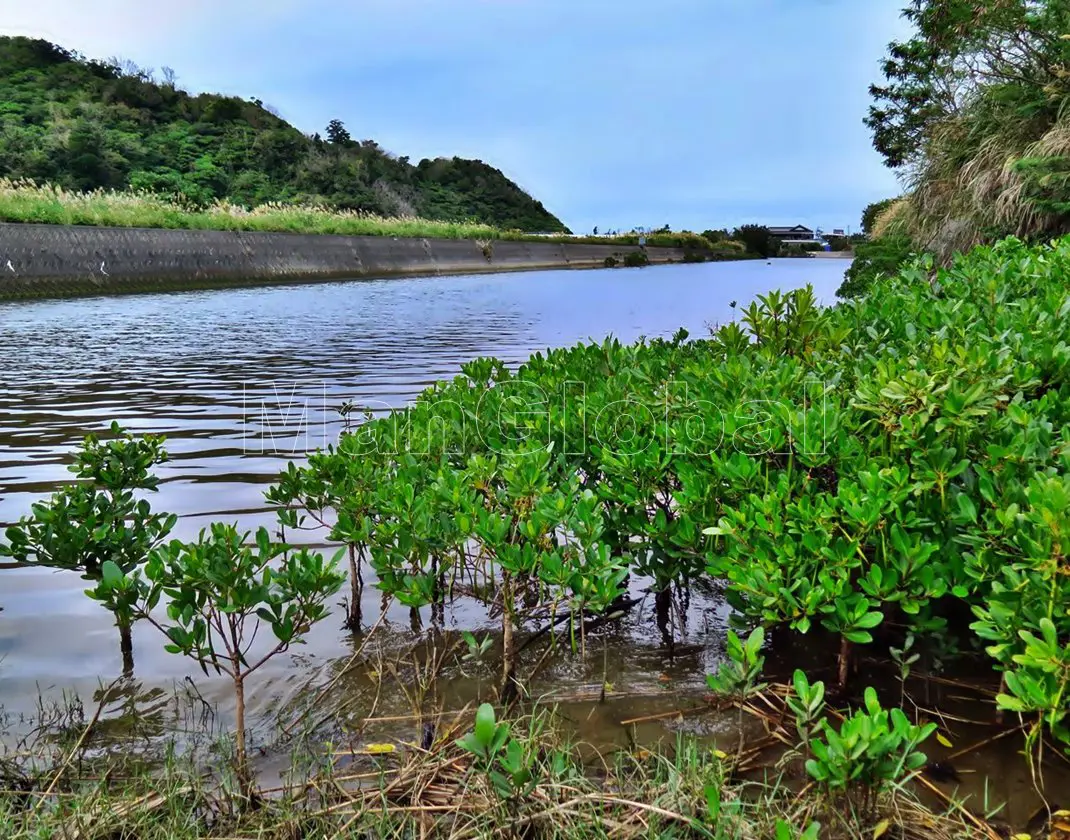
27	202
896	219
970	190
405	790
441	793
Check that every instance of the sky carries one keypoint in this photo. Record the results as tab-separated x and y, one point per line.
614	113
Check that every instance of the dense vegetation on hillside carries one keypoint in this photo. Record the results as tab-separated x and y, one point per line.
84	125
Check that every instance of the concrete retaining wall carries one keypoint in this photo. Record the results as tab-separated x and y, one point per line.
52	261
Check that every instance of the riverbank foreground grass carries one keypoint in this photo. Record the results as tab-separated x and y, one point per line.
537	785
27	202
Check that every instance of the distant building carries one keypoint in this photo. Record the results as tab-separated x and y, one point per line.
796	234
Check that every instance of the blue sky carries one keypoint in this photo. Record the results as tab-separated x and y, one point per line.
694	113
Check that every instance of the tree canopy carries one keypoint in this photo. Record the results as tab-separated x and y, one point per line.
84	124
962	50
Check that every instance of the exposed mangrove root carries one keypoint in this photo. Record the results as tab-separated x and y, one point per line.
356	588
126	648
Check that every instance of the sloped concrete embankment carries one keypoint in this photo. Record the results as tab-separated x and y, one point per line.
55	261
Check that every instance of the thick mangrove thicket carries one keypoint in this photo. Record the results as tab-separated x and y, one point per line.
898	464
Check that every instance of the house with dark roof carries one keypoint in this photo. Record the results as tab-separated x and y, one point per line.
798	233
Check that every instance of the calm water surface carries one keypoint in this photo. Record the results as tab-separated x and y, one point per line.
241	381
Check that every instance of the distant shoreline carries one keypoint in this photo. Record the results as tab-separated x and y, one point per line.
834	255
48	261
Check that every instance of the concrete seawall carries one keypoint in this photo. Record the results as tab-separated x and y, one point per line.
55	261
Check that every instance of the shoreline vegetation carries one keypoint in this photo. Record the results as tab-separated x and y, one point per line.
85	125
541	783
926	526
29	203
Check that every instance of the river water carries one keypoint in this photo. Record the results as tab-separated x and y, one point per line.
241	381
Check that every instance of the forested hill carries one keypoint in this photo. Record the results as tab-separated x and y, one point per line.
83	124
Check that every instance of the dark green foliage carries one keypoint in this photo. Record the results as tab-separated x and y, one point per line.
840	243
875	259
83	125
636	259
757	240
799	249
1047	183
338	134
873	212
959	47
100	519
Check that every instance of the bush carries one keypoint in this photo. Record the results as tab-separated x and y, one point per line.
757	240
716	236
636	259
873	212
873	260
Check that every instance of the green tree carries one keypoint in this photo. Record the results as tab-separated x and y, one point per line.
757	239
872	213
338	134
959	48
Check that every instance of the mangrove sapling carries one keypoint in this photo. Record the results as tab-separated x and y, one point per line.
219	591
475	655
737	678
85	526
1024	619
808	706
872	751
785	831
904	658
336	491
1040	685
509	762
